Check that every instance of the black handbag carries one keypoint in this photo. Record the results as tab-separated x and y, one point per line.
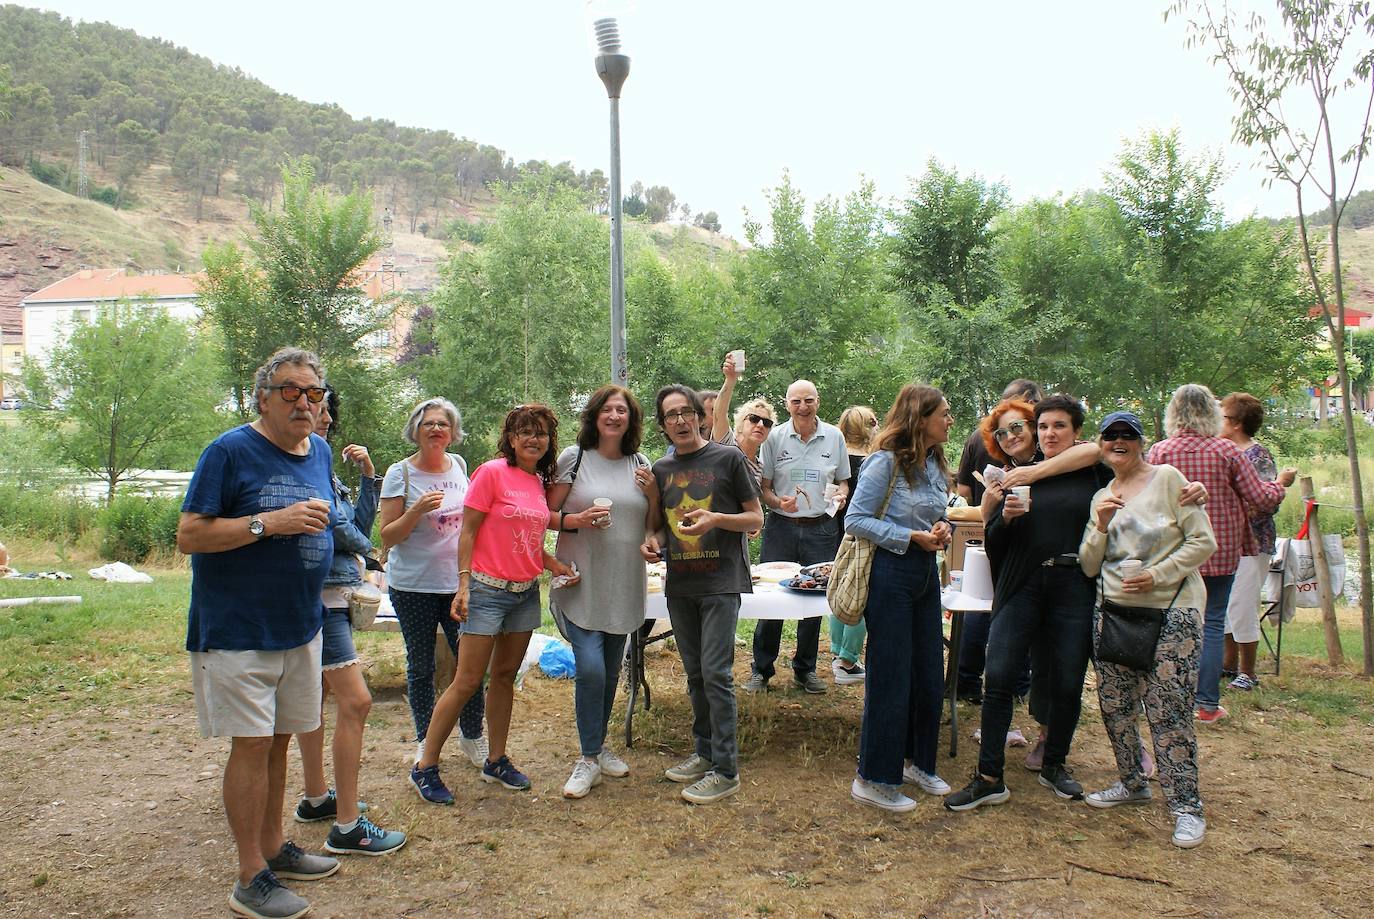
1128	635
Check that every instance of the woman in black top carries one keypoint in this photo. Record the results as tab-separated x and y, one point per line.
1041	600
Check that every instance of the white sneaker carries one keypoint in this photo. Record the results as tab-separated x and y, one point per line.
1118	794
876	794
585	776
475	749
611	764
845	677
1189	831
928	782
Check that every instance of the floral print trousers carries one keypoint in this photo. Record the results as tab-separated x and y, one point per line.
1167	693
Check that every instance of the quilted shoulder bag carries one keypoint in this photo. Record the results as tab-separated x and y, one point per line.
847	592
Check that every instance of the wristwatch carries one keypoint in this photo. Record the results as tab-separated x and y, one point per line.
256	527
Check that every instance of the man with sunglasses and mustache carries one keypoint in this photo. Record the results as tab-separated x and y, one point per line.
256	525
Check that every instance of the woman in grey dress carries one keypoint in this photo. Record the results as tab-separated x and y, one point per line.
602	541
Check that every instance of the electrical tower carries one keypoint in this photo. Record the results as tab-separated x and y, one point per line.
83	187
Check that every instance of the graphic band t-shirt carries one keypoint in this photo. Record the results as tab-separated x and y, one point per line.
510	542
714	478
264	596
426	561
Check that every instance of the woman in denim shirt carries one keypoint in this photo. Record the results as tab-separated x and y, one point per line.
901	722
343	672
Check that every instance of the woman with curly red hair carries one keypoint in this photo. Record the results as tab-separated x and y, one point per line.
500	557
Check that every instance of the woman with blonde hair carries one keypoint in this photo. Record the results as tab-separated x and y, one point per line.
754	421
905	682
858	424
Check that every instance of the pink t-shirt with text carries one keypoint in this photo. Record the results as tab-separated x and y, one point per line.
510	542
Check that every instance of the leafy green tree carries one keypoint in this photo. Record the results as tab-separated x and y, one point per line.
31	123
660	203
129	390
138	145
709	220
298	281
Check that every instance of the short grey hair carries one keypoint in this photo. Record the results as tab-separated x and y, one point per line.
279	359
412	428
1193	408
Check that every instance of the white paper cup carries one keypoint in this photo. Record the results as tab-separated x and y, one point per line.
1131	567
1022	493
738	357
606	503
831	491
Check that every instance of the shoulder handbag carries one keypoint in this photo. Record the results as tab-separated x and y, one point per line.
1128	635
577	464
847	592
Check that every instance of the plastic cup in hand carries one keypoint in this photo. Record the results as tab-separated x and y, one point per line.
738	357
1131	567
1022	493
832	491
605	503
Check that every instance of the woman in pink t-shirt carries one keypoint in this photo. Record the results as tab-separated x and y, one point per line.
500	556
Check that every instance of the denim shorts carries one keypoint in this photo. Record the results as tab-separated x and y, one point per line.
492	611
338	648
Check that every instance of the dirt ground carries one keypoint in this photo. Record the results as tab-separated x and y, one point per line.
117	812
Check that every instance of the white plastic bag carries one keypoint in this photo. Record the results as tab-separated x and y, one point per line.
1305	578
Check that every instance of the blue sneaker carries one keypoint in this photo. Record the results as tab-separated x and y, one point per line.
430	786
328	810
364	839
504	772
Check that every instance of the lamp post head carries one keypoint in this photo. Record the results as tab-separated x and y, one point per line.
612	64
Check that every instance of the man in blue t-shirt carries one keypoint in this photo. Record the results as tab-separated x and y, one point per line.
256	525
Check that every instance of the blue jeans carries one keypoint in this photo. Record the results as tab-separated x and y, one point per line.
1051	616
905	686
785	541
598	656
1213	640
704	629
419	615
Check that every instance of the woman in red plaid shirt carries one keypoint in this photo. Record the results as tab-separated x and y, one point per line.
1196	448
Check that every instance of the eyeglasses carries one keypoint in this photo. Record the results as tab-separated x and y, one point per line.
686	414
532	434
1016	428
1109	436
759	419
290	392
436	425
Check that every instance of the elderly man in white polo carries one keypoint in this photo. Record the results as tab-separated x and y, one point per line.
799	459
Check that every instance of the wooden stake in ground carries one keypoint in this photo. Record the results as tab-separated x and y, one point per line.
1334	654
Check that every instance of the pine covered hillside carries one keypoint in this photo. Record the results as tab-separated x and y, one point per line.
177	147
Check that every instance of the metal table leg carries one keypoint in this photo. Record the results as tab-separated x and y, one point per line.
956	631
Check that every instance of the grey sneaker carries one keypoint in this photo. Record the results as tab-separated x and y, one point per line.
712	787
809	682
1119	794
612	765
757	682
265	898
692	769
1189	830
876	794
291	862
475	749
585	776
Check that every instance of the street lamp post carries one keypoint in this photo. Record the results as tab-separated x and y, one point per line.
613	67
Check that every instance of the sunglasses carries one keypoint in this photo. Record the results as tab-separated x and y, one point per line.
291	392
1109	436
1016	428
759	419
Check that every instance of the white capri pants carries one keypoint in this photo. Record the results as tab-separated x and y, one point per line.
1242	613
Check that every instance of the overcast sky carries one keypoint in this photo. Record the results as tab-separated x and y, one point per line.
724	96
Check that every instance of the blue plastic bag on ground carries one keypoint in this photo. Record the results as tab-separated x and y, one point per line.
556	661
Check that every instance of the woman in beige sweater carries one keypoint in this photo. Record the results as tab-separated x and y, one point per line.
1138	525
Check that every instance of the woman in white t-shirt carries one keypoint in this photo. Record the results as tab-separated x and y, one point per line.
421	518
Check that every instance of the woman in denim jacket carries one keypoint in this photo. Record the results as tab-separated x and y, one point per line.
902	697
343	673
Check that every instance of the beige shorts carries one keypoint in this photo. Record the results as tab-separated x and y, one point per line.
258	693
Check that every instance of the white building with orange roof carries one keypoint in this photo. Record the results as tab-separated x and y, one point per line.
51	313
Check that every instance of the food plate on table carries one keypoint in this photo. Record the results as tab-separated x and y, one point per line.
776	572
805	585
